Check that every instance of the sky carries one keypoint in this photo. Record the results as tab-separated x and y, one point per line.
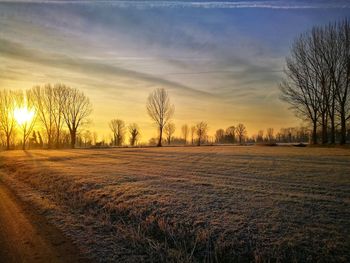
220	61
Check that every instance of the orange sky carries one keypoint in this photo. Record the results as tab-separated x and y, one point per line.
220	64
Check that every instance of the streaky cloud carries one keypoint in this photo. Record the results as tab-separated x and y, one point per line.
18	51
200	4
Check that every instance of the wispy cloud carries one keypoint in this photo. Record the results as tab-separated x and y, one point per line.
201	4
87	66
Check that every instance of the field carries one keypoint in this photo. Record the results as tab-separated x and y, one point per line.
192	204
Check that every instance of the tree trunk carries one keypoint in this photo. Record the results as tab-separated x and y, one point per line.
58	139
324	129
119	140
24	142
332	135
160	137
343	128
50	142
73	138
332	119
8	142
40	140
314	133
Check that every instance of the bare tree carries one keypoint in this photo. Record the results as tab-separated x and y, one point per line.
241	132
333	50
230	134
160	110
220	136
48	101
301	86
260	136
169	130
94	138
134	131
185	131
269	134
340	73
201	129
2	139
77	108
193	131
87	138
25	116
60	92
8	102
43	100
118	128
318	82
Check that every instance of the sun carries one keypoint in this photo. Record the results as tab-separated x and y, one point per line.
23	115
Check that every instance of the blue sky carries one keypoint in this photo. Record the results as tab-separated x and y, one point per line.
220	60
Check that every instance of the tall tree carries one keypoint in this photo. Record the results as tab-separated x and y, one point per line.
25	116
193	131
300	89
60	92
260	136
134	131
220	136
318	78
169	130
341	76
43	100
87	138
9	100
269	134
77	108
118	128
94	138
160	110
315	45
230	134
185	131
241	132
201	129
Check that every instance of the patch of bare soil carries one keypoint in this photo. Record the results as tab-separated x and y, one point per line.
26	236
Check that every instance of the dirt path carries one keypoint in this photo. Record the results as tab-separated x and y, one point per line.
27	237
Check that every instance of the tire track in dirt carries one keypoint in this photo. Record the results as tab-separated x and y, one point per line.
27	237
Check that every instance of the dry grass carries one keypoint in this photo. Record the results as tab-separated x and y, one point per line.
207	204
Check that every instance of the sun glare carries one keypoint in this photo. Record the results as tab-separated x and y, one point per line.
23	115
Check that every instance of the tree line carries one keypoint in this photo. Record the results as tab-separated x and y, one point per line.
194	135
61	111
317	81
58	108
119	128
161	111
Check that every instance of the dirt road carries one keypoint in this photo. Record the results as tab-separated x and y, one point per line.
27	237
